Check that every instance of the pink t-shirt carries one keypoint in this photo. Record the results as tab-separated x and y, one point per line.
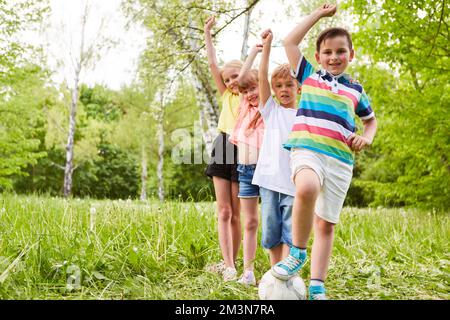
242	133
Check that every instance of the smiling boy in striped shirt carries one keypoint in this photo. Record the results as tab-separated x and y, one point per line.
322	141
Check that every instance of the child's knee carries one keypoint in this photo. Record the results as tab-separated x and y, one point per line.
251	224
225	213
307	191
235	218
323	226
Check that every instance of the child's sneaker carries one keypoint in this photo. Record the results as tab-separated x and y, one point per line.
288	267
317	293
216	267
248	279
229	274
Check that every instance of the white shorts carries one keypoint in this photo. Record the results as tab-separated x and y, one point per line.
334	175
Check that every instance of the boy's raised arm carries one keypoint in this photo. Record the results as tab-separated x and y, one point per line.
297	34
249	61
264	85
211	54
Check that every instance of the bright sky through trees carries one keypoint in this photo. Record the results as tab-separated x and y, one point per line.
119	65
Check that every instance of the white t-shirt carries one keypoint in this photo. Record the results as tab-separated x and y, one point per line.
272	170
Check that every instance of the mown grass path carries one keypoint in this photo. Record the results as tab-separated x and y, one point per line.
51	248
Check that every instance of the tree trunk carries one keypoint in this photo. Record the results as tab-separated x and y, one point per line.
206	95
68	170
246	31
143	196
209	107
161	150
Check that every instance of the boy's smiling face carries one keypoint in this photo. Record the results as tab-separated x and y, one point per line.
335	54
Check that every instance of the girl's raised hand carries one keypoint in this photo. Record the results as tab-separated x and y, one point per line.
257	48
327	10
267	36
210	22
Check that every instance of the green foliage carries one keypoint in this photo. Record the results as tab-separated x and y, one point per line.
20	116
113	175
99	103
410	164
401	59
174	25
45	176
186	180
16	17
411	35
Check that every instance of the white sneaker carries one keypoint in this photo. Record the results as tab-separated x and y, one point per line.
229	274
248	279
216	267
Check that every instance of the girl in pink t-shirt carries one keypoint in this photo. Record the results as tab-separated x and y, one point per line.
248	135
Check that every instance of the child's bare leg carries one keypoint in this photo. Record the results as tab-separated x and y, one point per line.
285	252
322	247
307	186
250	211
278	253
275	254
222	188
236	229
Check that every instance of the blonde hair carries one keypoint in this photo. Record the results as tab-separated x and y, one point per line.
250	78
282	71
231	64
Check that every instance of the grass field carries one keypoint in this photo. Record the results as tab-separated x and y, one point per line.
51	248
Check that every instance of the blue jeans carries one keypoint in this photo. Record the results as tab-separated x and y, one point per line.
246	188
276	212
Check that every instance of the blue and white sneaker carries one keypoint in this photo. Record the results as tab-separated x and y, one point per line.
289	267
317	293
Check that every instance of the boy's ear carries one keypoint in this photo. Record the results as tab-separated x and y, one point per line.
352	55
316	55
299	89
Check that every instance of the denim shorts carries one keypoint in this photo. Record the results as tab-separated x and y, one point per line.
276	223
246	188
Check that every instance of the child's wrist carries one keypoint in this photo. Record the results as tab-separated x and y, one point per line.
368	140
317	14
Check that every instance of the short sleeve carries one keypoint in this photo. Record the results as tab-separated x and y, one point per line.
304	70
266	109
226	95
229	111
364	110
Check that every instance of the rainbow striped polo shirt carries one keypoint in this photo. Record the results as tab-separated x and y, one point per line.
326	112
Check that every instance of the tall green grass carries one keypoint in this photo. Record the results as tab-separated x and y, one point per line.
53	248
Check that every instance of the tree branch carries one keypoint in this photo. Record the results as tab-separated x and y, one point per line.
439	28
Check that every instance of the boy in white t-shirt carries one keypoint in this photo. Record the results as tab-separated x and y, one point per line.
272	172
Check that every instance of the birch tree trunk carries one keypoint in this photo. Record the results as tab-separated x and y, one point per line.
160	166
68	169
209	107
206	98
246	31
81	59
143	196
